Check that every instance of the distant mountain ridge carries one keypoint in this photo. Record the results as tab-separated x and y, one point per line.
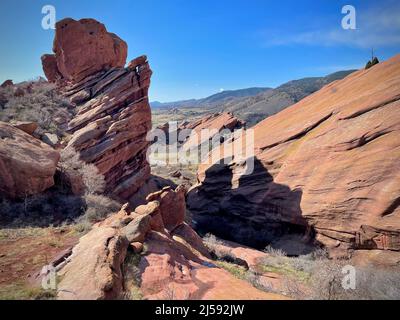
215	98
257	108
255	104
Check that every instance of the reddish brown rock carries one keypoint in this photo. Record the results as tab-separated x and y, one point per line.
94	270
137	229
50	69
82	48
113	112
173	266
19	92
185	233
195	133
27	166
172	271
137	247
26	126
327	165
172	206
7	83
153	210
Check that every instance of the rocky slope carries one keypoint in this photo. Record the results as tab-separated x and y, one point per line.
221	97
113	113
171	260
256	108
326	168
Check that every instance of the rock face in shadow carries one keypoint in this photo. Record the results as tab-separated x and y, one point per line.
113	112
27	165
329	164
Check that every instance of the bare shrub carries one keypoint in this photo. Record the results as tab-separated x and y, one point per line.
326	280
255	280
376	284
40	103
275	252
98	207
91	178
94	182
211	240
293	288
371	283
217	248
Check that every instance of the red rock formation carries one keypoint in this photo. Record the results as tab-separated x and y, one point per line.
82	48
113	112
328	164
198	134
50	69
206	128
94	270
7	83
174	265
27	165
26	126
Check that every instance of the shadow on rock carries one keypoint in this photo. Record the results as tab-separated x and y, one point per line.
272	217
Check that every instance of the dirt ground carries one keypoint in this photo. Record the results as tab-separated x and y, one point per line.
23	252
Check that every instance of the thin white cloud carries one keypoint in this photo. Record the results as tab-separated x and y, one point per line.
379	27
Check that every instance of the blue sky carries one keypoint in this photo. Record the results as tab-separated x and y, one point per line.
199	47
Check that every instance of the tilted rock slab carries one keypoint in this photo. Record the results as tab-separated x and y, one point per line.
94	270
329	165
111	125
27	165
113	112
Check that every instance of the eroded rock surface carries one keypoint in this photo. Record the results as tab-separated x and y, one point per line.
82	48
113	112
27	165
192	134
173	264
327	166
94	270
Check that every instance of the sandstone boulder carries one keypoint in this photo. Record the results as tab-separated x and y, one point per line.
50	138
173	265
82	48
172	206
27	165
94	269
50	69
137	230
26	126
325	167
